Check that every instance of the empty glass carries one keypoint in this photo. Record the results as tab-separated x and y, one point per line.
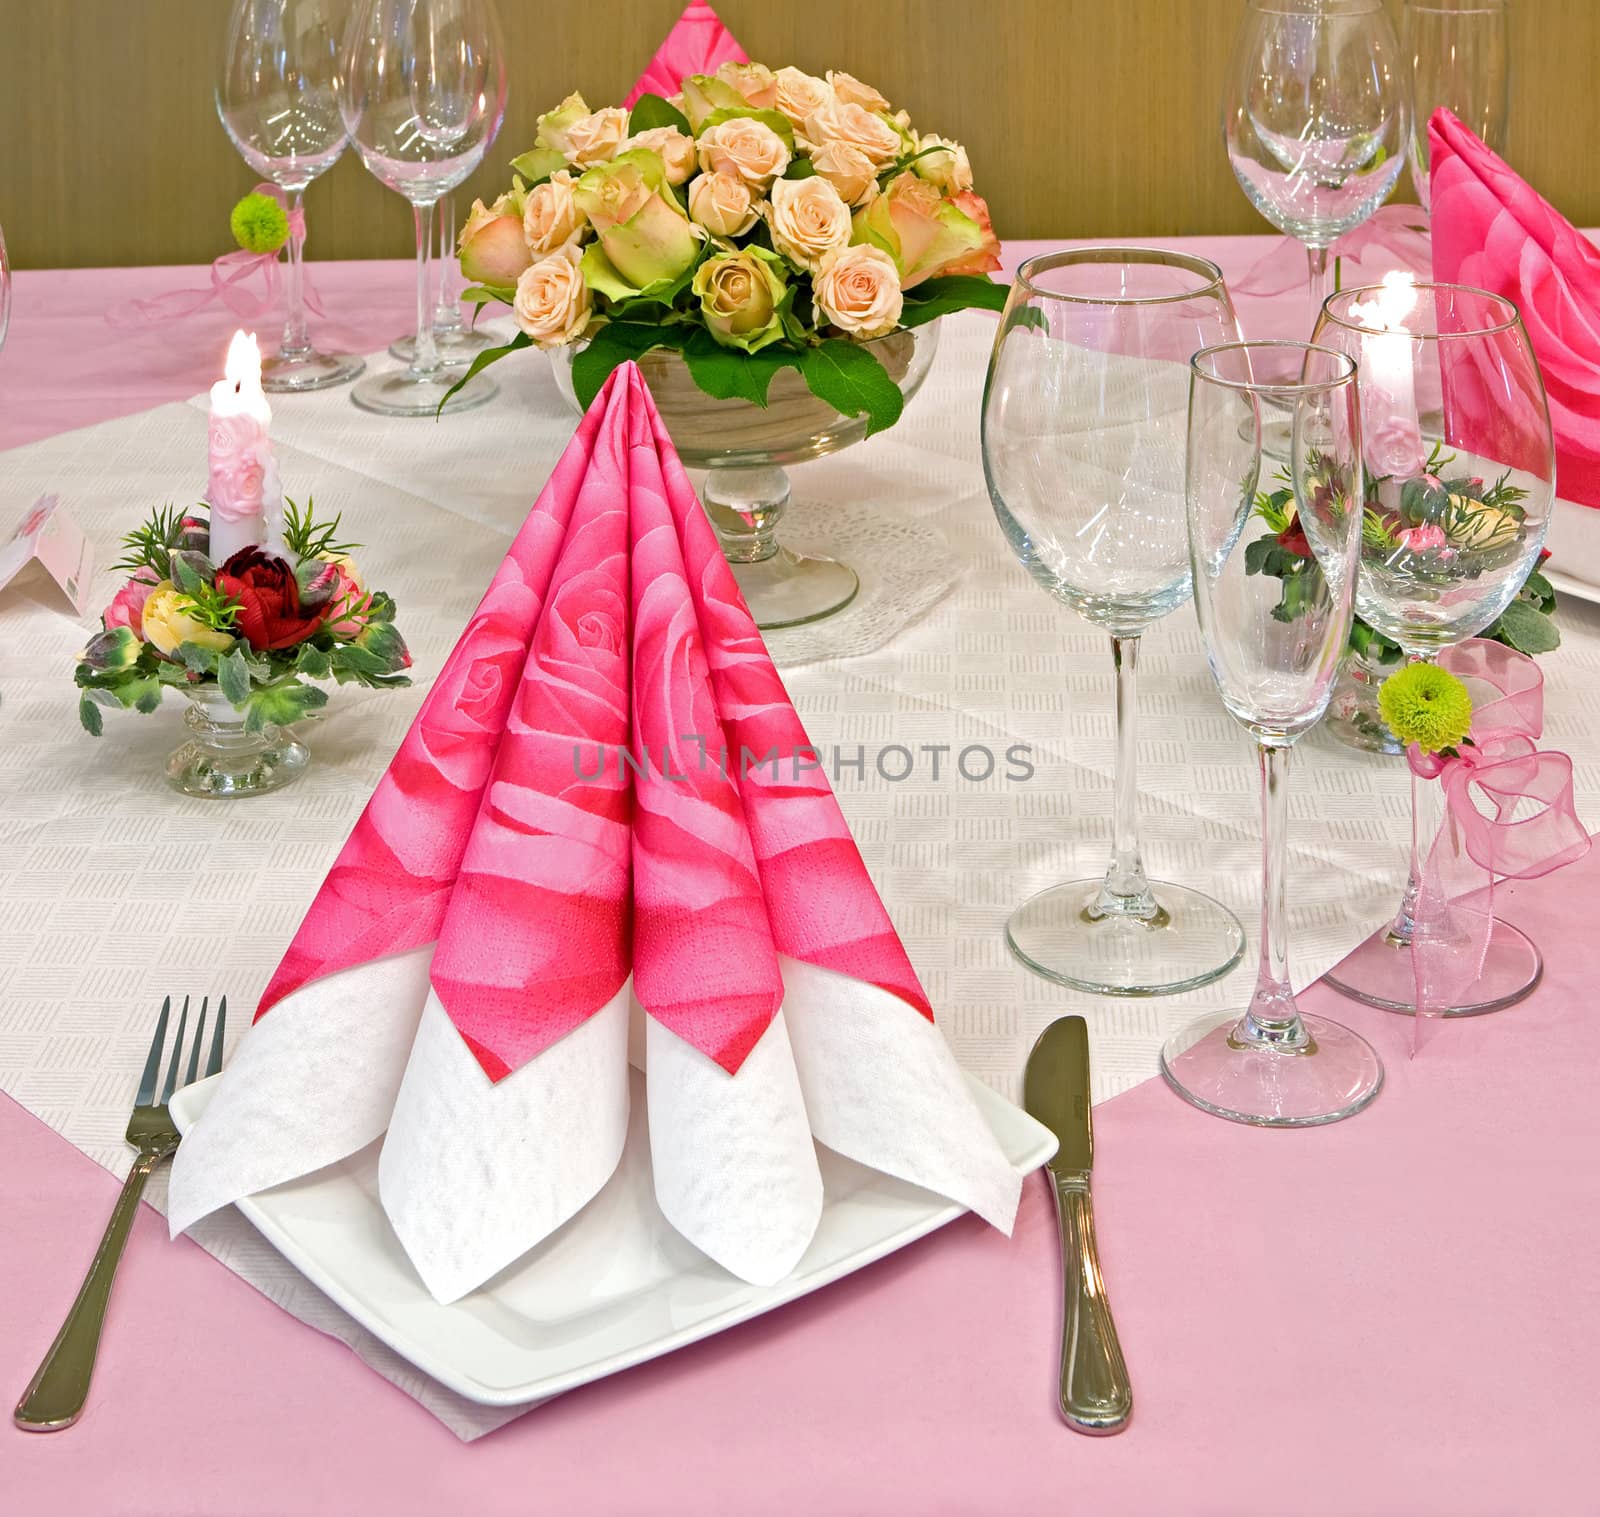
424	94
1083	450
1273	645
1316	118
456	343
1459	488
1459	52
279	102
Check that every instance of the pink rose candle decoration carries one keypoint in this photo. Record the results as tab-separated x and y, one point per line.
243	486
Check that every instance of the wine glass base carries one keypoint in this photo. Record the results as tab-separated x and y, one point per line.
403	393
1332	1076
791	589
1379	974
309	371
456	349
1191	941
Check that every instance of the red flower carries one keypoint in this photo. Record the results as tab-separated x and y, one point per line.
270	614
1293	539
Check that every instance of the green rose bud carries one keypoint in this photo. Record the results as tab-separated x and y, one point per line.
645	237
110	652
703	95
742	297
554	125
260	224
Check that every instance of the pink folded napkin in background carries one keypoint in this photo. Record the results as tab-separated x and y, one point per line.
1491	230
697	44
605	828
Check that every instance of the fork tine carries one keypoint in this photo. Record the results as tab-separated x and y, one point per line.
152	1065
194	1051
177	1052
214	1063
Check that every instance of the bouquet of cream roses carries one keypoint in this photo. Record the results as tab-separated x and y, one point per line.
755	221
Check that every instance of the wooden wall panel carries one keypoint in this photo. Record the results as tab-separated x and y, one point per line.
1083	117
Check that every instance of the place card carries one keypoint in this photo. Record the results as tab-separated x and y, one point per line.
51	539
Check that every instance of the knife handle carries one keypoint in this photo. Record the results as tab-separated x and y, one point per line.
1095	1394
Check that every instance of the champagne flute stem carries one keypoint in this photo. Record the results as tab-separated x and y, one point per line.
1126	889
1273	1017
296	340
1321	267
425	357
447	311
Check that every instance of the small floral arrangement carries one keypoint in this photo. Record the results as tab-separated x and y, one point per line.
1436	528
257	626
756	221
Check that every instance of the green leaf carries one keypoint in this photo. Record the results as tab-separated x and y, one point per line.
853	382
1526	628
148	696
382	641
191	570
954	292
278	705
89	715
538	164
614	344
233	677
729	374
800	168
487	294
313	662
1258	554
652	111
482	362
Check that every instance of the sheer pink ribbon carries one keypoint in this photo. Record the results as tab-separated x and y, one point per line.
1474	846
229	274
1398	231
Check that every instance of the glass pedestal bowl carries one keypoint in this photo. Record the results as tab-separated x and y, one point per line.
744	449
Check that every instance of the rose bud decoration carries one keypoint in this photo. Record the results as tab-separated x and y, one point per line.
117	648
644	233
926	234
491	247
127	605
742	297
269	613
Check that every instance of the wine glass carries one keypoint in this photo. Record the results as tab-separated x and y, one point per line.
1273	645
1459	488
1083	451
279	103
1316	118
1459	53
456	343
424	94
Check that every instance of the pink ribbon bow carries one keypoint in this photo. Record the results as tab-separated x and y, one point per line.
229	274
1501	767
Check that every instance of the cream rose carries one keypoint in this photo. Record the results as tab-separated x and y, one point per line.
597	138
799	94
167	623
848	170
858	290
808	219
852	91
746	148
552	303
948	168
675	150
550	219
853	126
722	204
754	81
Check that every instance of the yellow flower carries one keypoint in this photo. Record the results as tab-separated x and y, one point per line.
167	623
1471	525
1426	705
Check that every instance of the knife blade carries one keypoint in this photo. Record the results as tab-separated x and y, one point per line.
1096	1396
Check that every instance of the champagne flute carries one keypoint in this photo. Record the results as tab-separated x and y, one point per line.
1460	485
279	103
1083	448
1459	53
1273	647
1316	118
456	342
424	95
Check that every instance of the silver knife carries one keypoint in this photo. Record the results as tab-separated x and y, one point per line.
1095	1394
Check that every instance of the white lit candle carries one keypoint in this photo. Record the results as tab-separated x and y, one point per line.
1388	379
246	504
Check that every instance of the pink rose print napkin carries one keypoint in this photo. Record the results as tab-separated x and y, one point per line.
604	837
697	44
1493	231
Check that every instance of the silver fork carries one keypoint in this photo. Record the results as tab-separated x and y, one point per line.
55	1396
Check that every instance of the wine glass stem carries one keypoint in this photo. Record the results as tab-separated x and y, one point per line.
296	339
425	357
1273	1016
1321	279
1404	926
1126	889
447	312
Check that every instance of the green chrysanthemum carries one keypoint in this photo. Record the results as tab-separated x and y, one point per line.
1426	705
260	224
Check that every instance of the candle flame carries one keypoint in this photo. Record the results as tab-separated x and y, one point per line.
242	369
1396	299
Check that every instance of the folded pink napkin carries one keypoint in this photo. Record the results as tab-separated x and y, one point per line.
1491	230
697	44
606	813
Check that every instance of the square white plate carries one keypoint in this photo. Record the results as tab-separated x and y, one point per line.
612	1288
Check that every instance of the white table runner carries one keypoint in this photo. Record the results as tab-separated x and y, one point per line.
115	892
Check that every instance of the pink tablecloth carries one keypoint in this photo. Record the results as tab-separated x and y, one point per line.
1398	1314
